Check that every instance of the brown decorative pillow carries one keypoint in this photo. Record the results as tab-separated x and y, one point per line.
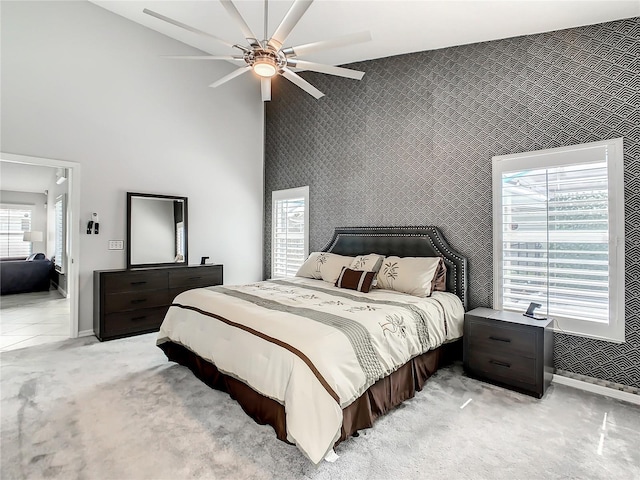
355	280
439	282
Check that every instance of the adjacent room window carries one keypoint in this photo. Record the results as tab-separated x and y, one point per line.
559	236
60	232
290	231
14	221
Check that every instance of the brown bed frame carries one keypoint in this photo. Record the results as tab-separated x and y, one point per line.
388	392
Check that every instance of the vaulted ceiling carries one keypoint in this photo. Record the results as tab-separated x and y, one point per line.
397	26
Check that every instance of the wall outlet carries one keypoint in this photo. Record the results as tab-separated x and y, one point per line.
116	244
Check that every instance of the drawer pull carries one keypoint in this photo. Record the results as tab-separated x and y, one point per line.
139	283
136	319
498	339
502	364
195	278
139	300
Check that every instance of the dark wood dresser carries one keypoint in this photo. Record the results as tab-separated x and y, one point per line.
509	349
131	302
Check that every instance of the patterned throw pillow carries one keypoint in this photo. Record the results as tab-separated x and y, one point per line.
355	280
367	263
324	266
412	275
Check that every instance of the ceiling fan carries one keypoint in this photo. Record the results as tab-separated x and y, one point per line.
268	58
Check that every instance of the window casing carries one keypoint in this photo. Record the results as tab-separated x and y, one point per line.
14	221
558	219
60	233
290	231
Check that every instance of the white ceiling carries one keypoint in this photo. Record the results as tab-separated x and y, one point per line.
397	26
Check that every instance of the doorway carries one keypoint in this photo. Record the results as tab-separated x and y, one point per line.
42	312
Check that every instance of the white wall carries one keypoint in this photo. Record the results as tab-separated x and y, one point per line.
82	84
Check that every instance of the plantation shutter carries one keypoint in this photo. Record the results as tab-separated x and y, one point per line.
290	217
60	233
14	221
555	240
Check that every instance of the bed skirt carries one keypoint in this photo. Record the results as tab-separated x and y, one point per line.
381	397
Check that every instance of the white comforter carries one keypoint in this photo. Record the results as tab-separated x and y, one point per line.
351	339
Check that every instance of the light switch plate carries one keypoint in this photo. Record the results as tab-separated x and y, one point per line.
116	244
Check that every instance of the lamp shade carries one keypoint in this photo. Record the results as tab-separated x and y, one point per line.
33	236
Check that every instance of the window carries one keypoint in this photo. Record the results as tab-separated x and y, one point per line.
60	229
14	221
290	231
558	224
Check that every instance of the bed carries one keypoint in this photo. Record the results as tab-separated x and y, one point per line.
318	362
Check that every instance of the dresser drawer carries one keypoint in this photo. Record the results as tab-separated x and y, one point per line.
185	279
496	336
135	321
502	367
135	281
136	300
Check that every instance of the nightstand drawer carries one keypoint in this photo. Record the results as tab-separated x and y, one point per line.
501	367
496	336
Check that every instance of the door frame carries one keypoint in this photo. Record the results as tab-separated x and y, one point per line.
73	225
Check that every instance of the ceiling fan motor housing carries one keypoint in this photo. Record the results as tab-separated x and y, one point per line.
265	62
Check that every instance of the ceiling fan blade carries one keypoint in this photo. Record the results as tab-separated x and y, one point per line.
289	21
265	88
186	27
301	82
330	69
342	41
235	14
204	57
232	75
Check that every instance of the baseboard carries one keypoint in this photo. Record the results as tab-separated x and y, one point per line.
599	389
85	333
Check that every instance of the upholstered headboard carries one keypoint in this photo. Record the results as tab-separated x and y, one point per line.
404	242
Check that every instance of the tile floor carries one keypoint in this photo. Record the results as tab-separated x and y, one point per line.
28	319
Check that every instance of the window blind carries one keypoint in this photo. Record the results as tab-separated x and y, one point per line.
556	240
289	236
59	233
14	221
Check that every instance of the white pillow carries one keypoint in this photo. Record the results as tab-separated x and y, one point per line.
412	275
367	263
324	266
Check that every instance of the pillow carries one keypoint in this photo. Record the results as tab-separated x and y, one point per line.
439	283
412	275
367	263
324	266
355	280
35	256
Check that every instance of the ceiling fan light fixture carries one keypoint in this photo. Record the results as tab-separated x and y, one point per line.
265	67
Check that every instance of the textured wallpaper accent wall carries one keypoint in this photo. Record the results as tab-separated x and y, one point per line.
411	144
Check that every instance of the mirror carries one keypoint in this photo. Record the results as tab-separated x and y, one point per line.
156	230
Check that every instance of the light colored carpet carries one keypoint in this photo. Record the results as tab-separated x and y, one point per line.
119	410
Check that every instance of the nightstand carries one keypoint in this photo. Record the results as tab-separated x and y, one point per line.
509	349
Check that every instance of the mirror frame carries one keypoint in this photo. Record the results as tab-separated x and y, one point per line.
130	266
